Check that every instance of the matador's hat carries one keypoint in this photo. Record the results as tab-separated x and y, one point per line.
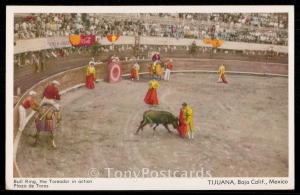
56	82
32	93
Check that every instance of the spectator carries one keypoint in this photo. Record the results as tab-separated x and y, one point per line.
267	28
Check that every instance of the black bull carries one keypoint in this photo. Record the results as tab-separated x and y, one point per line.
158	117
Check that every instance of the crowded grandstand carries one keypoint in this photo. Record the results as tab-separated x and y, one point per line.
253	28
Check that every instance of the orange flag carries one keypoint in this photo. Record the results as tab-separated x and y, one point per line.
112	38
74	39
82	40
214	42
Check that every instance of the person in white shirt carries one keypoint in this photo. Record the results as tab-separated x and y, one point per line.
168	69
35	61
24	26
137	68
17	26
28	103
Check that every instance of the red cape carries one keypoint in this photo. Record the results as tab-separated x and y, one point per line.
90	81
151	97
182	128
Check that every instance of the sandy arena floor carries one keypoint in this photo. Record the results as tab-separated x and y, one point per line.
242	130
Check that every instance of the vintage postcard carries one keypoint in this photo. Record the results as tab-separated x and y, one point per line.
149	97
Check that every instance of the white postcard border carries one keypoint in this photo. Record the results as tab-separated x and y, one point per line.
143	183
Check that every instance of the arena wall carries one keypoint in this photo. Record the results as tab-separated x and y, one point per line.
60	42
69	79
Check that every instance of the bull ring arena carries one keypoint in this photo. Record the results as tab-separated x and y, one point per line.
241	127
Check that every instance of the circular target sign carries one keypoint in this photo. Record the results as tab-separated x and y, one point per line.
115	73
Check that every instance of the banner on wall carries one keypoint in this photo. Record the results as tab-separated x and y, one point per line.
36	44
82	40
58	42
214	42
112	38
